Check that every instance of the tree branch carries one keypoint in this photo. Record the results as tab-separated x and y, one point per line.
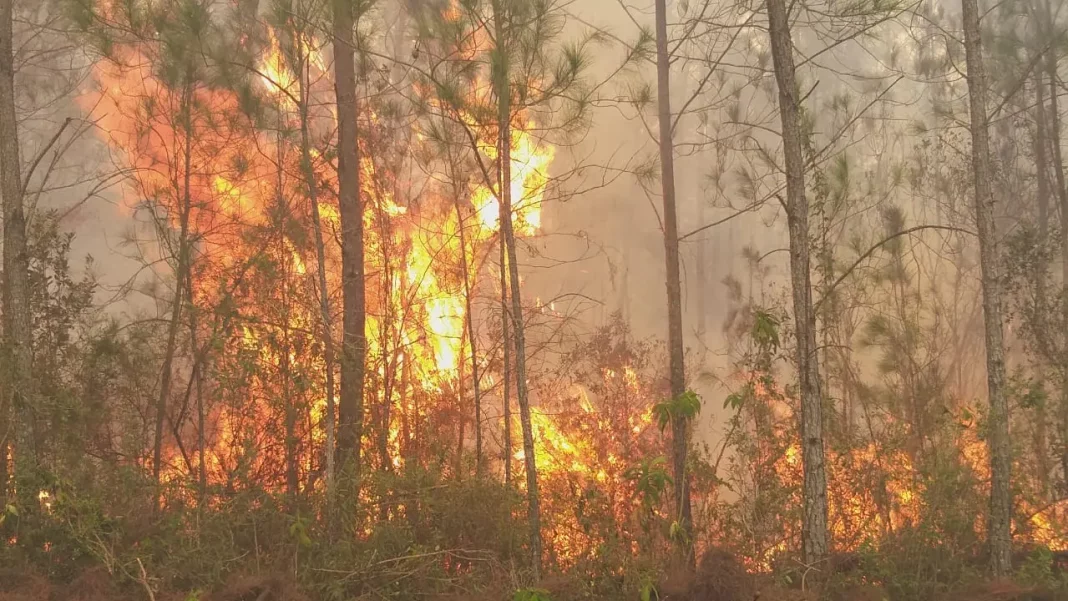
868	253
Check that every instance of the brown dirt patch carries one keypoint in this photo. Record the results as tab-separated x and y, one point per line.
257	588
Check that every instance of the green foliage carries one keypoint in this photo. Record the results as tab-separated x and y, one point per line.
651	480
684	407
298	530
648	591
532	594
766	331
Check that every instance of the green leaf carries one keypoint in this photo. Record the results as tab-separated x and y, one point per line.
686	406
765	331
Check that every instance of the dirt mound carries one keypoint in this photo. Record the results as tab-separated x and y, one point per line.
23	585
719	577
257	588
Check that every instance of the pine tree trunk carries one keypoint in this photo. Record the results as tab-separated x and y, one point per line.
353	342
504	91
999	521
19	395
471	336
814	539
676	367
1041	294
1062	196
506	370
181	276
328	421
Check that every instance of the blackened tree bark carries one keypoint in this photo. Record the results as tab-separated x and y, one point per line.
999	535
814	539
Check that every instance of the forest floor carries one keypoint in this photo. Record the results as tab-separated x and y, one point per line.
96	584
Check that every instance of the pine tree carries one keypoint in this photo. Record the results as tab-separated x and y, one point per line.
354	340
676	359
999	522
18	393
814	541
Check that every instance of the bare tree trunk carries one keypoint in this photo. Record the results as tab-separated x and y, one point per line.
999	522
181	275
18	341
471	335
506	375
504	112
324	292
353	342
1041	294
676	368
1062	196
814	539
290	411
473	344
197	375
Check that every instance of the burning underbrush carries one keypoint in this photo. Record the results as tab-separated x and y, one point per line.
221	484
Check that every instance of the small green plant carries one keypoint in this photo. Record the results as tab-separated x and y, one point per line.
9	510
1037	569
299	531
686	406
650	479
648	591
532	594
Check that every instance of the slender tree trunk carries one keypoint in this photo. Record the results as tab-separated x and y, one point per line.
506	368
197	375
1062	196
1041	294
461	434
354	342
469	318
676	368
328	421
472	342
290	411
504	112
18	341
999	522
814	540
181	275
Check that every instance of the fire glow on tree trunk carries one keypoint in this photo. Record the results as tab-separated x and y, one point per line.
504	189
999	535
814	543
353	342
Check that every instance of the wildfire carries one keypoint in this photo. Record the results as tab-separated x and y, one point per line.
242	181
